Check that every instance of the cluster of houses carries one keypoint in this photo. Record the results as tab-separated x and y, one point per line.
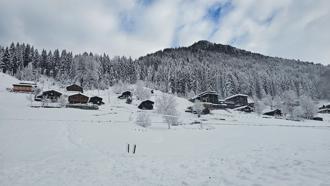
73	95
144	105
239	102
210	100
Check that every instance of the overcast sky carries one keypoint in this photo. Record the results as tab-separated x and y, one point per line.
297	29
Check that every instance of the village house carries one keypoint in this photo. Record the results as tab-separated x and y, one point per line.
25	87
236	100
146	105
208	97
96	100
74	88
78	99
51	95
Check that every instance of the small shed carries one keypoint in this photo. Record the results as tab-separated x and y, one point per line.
75	88
50	95
276	112
96	100
78	98
125	95
208	97
146	105
317	118
246	108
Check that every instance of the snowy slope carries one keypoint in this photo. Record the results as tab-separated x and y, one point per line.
66	146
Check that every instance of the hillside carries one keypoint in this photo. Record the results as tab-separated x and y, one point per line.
228	70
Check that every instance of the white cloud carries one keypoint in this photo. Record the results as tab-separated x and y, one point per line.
284	28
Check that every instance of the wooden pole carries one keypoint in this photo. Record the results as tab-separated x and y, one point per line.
134	149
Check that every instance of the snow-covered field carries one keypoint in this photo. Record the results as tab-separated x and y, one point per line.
65	146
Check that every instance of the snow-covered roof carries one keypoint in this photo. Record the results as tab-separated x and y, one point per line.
28	82
204	93
236	95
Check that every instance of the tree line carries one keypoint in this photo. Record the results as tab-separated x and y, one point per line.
183	71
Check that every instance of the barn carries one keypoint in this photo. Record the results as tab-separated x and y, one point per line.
50	95
146	105
96	100
208	97
75	88
78	98
125	95
236	100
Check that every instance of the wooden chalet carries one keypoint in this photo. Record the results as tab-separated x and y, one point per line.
236	100
96	100
74	88
208	97
146	105
50	95
78	99
25	87
125	95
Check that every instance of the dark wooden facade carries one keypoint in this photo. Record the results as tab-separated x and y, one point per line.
207	97
27	88
78	98
237	100
146	105
74	87
96	100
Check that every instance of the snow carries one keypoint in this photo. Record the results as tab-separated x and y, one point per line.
65	146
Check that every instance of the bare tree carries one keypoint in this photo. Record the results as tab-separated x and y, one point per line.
198	108
307	106
143	120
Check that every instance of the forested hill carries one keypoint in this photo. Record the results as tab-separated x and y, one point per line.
228	70
184	71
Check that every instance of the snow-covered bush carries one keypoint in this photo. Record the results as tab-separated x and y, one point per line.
259	106
198	107
297	113
143	119
308	108
166	105
62	101
141	92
